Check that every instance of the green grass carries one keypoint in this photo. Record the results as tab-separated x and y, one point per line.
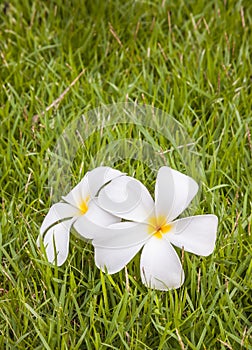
190	59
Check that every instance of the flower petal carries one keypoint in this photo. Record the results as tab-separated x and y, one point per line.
196	234
173	192
57	212
120	235
79	193
83	224
113	260
160	266
91	183
127	198
56	240
99	177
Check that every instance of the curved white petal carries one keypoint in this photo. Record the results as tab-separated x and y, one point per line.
120	235
95	215
91	183
196	234
173	192
79	193
100	216
127	198
160	266
56	242
113	260
100	176
57	212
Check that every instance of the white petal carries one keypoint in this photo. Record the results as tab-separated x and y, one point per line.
160	266
79	193
127	198
113	260
99	177
57	212
120	235
197	234
100	216
56	240
96	215
173	192
90	185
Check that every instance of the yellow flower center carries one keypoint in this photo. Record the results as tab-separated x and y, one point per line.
158	226
83	206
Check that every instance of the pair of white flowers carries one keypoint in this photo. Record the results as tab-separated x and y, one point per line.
117	213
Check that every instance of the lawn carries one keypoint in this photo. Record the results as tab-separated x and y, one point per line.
59	61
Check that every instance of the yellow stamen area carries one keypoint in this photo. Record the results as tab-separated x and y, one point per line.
158	226
83	206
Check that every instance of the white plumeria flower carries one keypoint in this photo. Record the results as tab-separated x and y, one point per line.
78	209
152	227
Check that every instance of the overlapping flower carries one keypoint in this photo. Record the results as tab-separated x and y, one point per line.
76	209
119	215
